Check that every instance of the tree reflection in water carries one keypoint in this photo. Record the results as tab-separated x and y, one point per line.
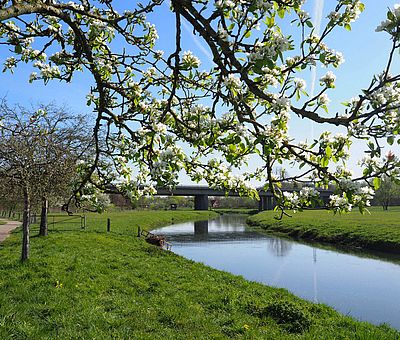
278	247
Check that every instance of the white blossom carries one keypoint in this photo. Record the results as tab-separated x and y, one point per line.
299	83
328	79
334	16
232	82
323	99
189	60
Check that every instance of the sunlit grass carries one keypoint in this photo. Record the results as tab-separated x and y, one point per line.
125	222
95	285
379	230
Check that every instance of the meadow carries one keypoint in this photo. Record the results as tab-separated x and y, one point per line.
90	284
376	230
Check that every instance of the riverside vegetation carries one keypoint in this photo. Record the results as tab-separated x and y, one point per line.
93	284
379	230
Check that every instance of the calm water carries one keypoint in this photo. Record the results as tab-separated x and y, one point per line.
365	288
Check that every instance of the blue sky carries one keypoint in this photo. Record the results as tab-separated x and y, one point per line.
365	52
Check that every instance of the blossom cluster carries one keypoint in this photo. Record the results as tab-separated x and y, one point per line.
233	83
354	195
392	23
298	200
299	83
281	104
352	11
276	45
326	55
47	71
220	176
190	61
328	79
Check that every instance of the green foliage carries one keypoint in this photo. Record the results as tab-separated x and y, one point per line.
389	189
292	316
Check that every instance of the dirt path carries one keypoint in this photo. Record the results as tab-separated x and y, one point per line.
5	229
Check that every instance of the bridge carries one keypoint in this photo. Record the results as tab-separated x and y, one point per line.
201	194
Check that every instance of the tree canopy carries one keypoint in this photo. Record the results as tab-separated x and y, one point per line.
159	114
40	155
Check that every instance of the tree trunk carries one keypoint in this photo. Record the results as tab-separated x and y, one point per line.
43	217
25	226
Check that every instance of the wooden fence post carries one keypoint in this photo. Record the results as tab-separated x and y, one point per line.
108	225
138	231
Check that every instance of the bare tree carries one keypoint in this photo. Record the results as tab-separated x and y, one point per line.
39	150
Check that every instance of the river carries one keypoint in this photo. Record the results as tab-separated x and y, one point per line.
366	288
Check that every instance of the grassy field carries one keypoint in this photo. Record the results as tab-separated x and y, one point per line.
127	221
379	230
96	285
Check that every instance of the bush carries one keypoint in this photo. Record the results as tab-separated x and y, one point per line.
293	317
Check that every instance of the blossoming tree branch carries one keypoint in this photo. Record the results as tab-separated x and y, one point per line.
151	105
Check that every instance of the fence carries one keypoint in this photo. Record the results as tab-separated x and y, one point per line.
63	222
12	215
53	220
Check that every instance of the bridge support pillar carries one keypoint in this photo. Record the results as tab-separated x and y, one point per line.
201	202
266	203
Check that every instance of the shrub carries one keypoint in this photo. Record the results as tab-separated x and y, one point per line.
292	316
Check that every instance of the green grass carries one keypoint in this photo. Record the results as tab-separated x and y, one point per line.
127	221
96	285
379	230
243	211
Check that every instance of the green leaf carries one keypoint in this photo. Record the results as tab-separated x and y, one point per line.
269	63
324	162
270	21
347	27
328	151
377	183
18	49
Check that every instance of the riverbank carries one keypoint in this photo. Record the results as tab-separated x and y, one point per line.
93	284
240	211
379	230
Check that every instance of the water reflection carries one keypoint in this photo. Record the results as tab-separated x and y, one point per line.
278	246
201	230
365	288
